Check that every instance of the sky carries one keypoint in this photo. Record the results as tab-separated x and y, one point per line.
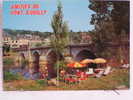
76	13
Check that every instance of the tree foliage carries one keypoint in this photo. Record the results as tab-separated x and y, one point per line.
6	49
115	13
110	20
60	36
120	16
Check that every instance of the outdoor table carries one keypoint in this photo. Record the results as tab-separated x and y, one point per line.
99	69
71	78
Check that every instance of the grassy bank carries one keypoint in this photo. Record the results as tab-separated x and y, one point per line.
117	78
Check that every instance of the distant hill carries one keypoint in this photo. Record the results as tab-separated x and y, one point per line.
14	33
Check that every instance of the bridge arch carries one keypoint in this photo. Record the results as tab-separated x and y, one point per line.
52	56
36	58
84	54
21	60
52	59
22	55
36	51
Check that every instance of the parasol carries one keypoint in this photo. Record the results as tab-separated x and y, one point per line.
100	60
76	65
86	61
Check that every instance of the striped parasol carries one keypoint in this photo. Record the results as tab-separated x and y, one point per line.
86	61
100	60
76	65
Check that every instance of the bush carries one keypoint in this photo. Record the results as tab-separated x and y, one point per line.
42	82
8	76
8	61
60	64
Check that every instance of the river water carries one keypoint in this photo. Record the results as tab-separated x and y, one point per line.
25	73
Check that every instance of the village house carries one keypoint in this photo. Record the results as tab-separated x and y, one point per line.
21	40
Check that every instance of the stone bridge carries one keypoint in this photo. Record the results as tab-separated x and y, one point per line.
77	52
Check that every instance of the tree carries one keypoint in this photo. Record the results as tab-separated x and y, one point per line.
110	19
120	16
115	11
60	36
103	25
6	49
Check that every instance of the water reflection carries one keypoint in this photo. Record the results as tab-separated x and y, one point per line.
25	73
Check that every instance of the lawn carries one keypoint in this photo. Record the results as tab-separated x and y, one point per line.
117	78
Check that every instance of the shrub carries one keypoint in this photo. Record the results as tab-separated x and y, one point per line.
8	61
9	76
60	64
42	82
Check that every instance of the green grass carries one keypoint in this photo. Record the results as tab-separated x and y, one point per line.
8	61
31	87
42	82
109	82
24	85
117	78
8	76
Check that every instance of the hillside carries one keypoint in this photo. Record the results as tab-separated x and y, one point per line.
14	33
